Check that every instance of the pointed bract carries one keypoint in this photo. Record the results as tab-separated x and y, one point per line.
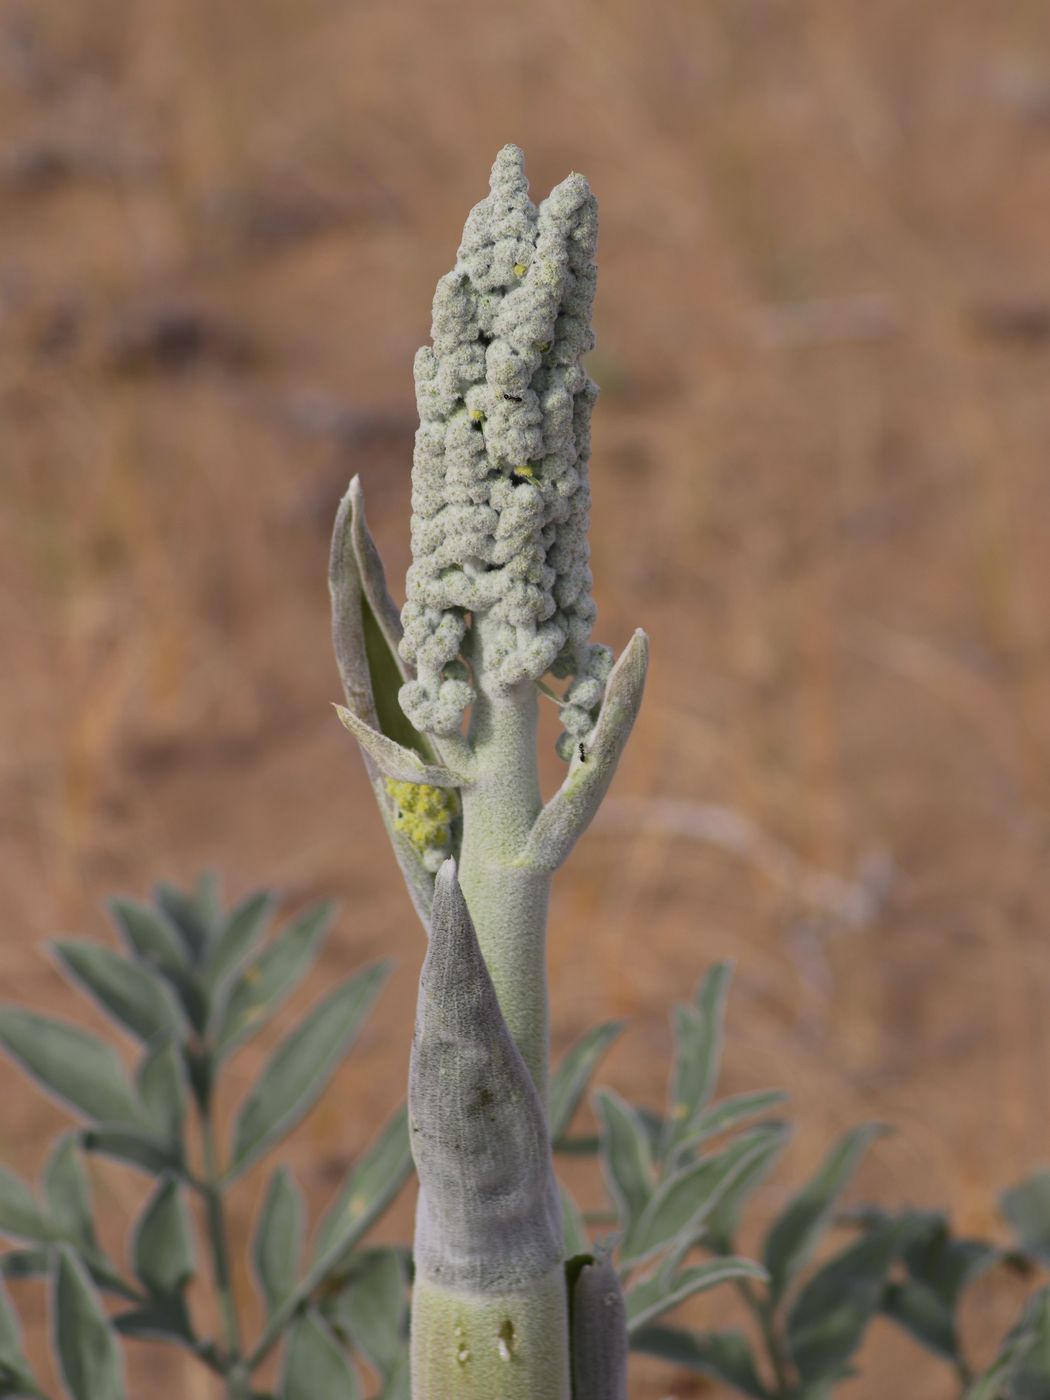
489	1215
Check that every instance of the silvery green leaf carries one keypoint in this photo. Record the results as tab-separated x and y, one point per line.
574	1227
163	1320
684	1201
1027	1208
795	1232
68	1193
657	1294
84	1342
728	1113
393	760
366	625
238	935
626	1159
163	1242
939	1268
78	1068
36	1263
135	1146
301	1066
925	1316
568	814
366	630
489	1215
727	1356
723	1223
153	940
399	1382
278	1238
599	1334
124	989
698	1054
373	1182
271	977
373	1306
149	935
316	1364
20	1214
569	1081
1021	1371
192	919
16	1375
162	1091
827	1320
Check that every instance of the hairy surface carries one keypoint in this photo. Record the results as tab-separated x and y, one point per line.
500	499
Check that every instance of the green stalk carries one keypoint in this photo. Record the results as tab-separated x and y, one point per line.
507	900
218	1241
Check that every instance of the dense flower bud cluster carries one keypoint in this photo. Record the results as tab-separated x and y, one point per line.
500	497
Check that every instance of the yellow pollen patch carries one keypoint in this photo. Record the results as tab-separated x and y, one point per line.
423	813
476	415
523	470
519	269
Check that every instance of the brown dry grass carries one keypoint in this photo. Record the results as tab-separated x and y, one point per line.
221	226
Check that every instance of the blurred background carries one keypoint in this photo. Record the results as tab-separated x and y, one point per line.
820	482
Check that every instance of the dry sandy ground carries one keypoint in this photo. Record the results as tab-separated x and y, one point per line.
820	482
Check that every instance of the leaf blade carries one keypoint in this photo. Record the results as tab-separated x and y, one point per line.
76	1067
298	1071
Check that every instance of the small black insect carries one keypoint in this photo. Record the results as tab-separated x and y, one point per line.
583	755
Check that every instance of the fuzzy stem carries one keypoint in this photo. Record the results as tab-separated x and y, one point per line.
514	1346
507	900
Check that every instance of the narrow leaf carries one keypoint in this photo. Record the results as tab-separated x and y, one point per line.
20	1215
373	1182
568	814
656	1295
164	1320
1027	1208
724	1221
16	1375
727	1356
85	1346
698	1032
316	1365
728	1113
795	1232
36	1263
683	1202
162	1091
626	1160
77	1067
238	936
278	1238
569	1081
395	761
68	1193
374	1308
134	1146
301	1066
274	975
163	1245
191	919
827	1320
153	939
924	1315
124	989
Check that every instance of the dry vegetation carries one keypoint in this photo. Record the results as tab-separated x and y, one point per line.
820	480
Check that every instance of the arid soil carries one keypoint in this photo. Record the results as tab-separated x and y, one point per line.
820	482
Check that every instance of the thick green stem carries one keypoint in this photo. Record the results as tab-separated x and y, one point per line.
507	900
218	1240
499	1346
